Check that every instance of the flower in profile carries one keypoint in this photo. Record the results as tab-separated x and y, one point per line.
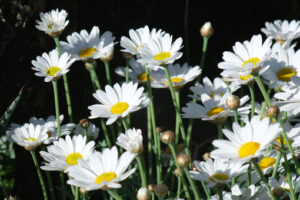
29	136
283	184
102	170
246	142
118	101
160	51
53	22
139	38
218	171
282	31
66	152
92	130
131	141
52	66
179	74
84	46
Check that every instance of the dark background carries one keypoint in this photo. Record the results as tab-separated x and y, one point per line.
21	42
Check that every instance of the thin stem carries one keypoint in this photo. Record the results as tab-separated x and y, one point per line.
149	141
142	171
249	174
77	193
207	193
235	115
55	91
263	90
114	195
125	124
254	162
127	71
279	154
178	187
192	183
94	77
107	72
106	135
62	185
36	164
86	134
220	134
220	193
251	89
177	95
50	185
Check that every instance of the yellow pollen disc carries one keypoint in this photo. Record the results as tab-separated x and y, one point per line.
87	52
266	162
246	78
52	70
212	94
248	149
219	177
49	134
106	176
162	56
214	111
72	159
50	26
284	141
143	77
119	108
136	48
30	139
254	61
176	80
286	73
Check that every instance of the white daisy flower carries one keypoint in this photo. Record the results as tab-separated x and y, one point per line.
66	152
226	196
138	38
239	77
52	66
249	193
160	51
219	171
85	46
179	74
267	161
246	142
92	130
292	133
118	101
131	141
248	56
102	170
283	184
213	109
29	136
282	31
53	22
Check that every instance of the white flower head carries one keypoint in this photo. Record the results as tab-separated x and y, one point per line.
131	141
85	46
66	152
267	161
246	142
51	65
160	51
139	38
102	170
92	130
118	101
283	184
218	171
53	22
252	192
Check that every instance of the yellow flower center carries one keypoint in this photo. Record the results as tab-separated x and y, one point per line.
87	52
248	149
162	56
49	134
50	26
254	61
143	77
52	70
119	108
176	80
283	140
266	162
246	78
219	177
106	176
212	94
30	139
286	73
72	159
214	111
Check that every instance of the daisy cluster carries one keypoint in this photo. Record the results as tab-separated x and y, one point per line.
255	147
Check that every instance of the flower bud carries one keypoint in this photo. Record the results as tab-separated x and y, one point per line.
273	111
84	123
207	30
159	129
277	191
151	187
167	137
161	190
183	160
206	155
143	194
176	172
82	191
127	56
88	65
233	102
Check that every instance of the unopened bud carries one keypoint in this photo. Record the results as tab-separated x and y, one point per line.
176	172
82	191
233	102
277	191
207	30
84	123
89	64
143	194
206	155
183	160
159	129
127	56
161	190
273	111
151	187
167	137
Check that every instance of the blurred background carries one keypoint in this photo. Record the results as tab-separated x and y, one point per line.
21	42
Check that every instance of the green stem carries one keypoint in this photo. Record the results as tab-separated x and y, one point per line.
177	109
62	185
178	187
94	77
220	194
50	184
142	171
36	164
263	90
107	72
149	141
192	183
254	162
55	91
177	95
204	49
127	71
249	174
251	89
207	193
77	193
86	134
114	195
235	115
106	135
279	154
185	188
124	121
220	134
